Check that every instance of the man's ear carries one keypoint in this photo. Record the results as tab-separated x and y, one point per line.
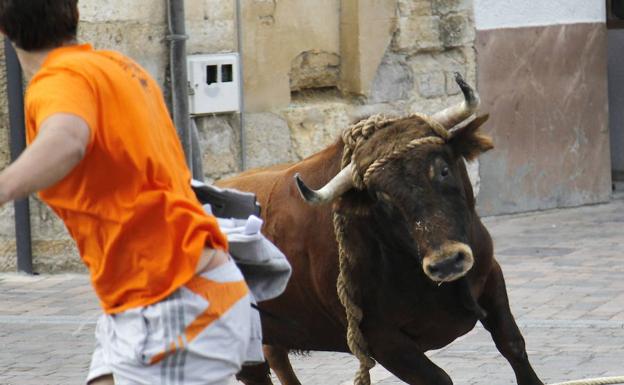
469	142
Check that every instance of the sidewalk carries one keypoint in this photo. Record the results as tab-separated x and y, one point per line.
565	277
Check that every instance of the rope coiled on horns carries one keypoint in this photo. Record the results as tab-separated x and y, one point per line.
346	287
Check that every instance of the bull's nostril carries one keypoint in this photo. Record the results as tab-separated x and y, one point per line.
450	265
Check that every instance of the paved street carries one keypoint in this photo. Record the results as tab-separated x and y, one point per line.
565	277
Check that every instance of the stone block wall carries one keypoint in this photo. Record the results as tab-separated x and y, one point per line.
428	41
407	69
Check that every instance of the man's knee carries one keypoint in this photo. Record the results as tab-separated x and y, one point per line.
104	380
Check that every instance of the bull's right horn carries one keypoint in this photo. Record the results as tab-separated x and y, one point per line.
453	115
340	184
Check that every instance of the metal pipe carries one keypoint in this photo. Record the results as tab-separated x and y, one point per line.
179	78
198	169
15	92
241	96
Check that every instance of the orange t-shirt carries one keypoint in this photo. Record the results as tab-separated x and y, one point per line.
128	204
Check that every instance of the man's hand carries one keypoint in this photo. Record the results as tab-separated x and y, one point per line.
59	146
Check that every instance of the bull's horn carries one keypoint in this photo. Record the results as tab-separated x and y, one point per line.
340	184
453	115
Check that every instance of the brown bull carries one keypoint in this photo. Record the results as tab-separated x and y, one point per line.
421	262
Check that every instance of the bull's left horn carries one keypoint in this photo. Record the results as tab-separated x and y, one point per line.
340	184
453	115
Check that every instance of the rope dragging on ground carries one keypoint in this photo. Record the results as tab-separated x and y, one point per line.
595	381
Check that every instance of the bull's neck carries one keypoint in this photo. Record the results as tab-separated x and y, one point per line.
327	162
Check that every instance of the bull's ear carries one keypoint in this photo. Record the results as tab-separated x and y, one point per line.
469	142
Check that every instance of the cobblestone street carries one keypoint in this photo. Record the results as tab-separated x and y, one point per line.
565	277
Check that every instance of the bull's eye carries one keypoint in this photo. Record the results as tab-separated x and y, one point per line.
444	172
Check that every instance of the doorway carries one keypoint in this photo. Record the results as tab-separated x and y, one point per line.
615	49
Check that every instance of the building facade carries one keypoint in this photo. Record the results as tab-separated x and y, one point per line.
311	68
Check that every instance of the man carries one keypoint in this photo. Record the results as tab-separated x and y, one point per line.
104	155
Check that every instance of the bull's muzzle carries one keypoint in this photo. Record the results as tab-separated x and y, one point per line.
449	262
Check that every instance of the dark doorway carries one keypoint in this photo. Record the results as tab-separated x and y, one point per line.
615	24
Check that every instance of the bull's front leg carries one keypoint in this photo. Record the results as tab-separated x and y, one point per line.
501	324
403	358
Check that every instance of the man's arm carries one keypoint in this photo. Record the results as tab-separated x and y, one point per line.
59	146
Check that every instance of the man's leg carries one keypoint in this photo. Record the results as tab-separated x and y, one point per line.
100	372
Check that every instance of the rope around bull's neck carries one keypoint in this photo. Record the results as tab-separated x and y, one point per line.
347	290
361	131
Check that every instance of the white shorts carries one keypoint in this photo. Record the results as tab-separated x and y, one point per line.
199	335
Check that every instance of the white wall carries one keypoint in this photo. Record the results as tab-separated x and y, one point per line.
491	14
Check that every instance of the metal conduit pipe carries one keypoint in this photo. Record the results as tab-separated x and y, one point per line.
198	169
241	96
18	143
179	78
187	129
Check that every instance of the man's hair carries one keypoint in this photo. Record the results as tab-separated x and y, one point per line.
39	24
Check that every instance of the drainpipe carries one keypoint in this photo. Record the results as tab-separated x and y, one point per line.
179	78
241	96
198	169
18	143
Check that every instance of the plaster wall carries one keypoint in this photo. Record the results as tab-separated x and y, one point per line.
275	34
542	74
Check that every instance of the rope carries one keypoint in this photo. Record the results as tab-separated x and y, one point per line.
347	290
380	163
595	381
347	294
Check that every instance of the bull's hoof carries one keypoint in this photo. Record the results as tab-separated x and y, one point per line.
255	375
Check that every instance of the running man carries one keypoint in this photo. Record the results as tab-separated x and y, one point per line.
104	155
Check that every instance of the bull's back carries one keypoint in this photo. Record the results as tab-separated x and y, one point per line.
258	181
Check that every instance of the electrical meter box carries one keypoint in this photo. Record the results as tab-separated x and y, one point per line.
214	83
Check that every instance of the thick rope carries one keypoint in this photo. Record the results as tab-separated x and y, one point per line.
346	294
347	290
380	163
345	285
595	381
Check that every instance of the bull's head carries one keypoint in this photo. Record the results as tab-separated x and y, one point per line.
414	173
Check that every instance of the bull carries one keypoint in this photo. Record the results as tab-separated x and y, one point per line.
395	226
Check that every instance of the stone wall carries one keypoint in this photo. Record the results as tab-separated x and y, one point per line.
315	96
303	82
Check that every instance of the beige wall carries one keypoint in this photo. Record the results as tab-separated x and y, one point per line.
543	78
311	67
275	34
546	91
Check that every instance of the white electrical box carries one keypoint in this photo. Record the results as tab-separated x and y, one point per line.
214	83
